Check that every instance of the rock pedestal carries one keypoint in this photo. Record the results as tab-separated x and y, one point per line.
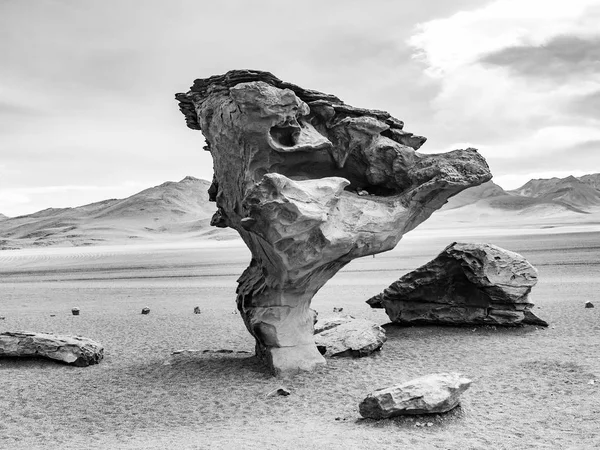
75	350
310	184
466	284
437	393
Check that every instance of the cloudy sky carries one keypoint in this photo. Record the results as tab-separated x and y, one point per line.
86	87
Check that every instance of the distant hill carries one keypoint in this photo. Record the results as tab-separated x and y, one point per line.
3	217
173	208
570	191
541	197
592	179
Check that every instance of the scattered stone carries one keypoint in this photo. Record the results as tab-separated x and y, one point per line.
347	336
437	393
310	184
337	310
592	382
429	424
145	310
2	317
466	284
280	391
75	311
589	305
75	350
197	310
52	315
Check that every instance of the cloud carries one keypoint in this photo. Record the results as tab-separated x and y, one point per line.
587	106
514	79
562	57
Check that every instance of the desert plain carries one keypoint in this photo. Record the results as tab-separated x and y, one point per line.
533	387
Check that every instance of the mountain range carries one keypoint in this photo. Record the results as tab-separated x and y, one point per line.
177	209
577	195
181	210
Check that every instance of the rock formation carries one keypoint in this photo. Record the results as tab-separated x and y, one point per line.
75	350
310	183
437	393
466	284
347	336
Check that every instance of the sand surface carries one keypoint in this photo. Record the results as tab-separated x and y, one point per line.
531	385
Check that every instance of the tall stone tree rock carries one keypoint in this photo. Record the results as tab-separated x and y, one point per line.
310	184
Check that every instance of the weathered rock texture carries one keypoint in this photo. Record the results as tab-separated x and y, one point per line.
465	284
310	183
347	336
75	350
437	393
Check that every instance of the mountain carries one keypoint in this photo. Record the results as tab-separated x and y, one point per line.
174	209
592	179
559	198
485	191
570	191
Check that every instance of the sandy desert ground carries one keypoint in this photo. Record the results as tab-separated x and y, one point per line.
533	387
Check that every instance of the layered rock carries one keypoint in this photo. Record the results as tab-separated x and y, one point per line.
437	393
310	183
75	350
347	336
466	284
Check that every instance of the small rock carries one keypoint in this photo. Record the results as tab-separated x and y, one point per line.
279	391
362	192
589	305
2	317
145	310
337	310
346	336
197	310
592	382
75	350
435	393
51	315
429	424
75	311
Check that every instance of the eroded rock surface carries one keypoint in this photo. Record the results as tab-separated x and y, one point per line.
464	284
347	336
437	393
75	350
310	183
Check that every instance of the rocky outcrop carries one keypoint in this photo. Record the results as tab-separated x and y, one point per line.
437	393
466	284
75	350
347	336
310	183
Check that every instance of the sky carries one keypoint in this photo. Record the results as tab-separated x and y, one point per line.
86	87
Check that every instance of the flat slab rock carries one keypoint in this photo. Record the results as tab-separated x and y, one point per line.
436	393
466	284
347	336
74	350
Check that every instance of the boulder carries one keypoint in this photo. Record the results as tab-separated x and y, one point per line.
75	311
589	305
75	350
310	183
436	393
466	284
346	336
